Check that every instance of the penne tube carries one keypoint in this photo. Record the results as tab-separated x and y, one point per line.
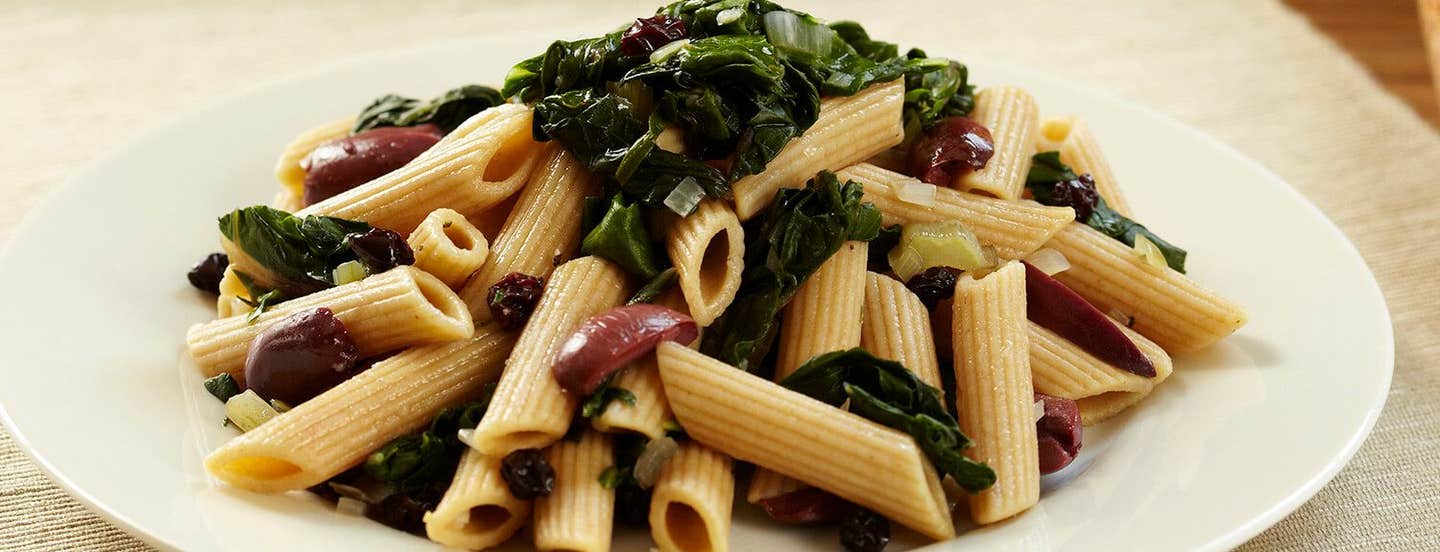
477	511
578	514
398	308
448	247
708	251
690	503
1167	307
1013	119
824	316
335	431
473	168
288	201
232	295
850	129
754	420
1014	228
994	396
287	168
541	231
1060	368
1078	148
529	409
897	327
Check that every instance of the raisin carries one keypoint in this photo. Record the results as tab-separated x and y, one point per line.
864	531
632	506
1078	194
650	33
206	274
513	298
935	284
528	474
953	147
380	249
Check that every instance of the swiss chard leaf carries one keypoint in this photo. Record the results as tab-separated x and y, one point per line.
416	461
596	403
222	387
935	88
446	111
885	392
656	286
1047	170
621	237
280	251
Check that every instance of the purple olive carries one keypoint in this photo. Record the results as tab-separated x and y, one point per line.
607	342
1059	433
339	165
646	35
380	249
207	273
806	505
1057	308
300	357
953	147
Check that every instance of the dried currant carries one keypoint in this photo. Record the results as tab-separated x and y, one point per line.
864	531
206	274
954	146
380	249
650	33
1078	194
528	474
513	298
934	285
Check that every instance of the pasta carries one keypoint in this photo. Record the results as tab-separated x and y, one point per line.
233	295
448	247
288	170
382	313
708	250
690	504
478	510
897	327
1013	119
577	515
1061	369
1078	148
994	396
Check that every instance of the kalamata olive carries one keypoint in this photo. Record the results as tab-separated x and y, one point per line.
339	165
650	33
609	341
953	147
1059	433
527	474
807	505
513	298
935	284
864	531
300	357
380	249
1079	194
207	273
1055	307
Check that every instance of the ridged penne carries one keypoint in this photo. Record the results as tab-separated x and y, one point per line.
477	511
1014	228
1060	368
994	396
529	409
850	129
326	435
232	291
479	164
577	515
1013	119
690	503
287	168
1168	307
754	420
448	247
398	308
1078	148
897	327
708	251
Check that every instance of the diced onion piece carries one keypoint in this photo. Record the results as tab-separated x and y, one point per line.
728	16
1039	410
916	192
653	459
1049	261
929	244
1149	251
368	491
349	271
350	507
686	195
792	32
664	52
247	410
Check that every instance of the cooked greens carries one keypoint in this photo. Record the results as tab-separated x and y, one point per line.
413	462
621	237
446	111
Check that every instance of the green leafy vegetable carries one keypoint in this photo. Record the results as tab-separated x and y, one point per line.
799	232
276	250
885	392
656	286
262	303
1047	170
446	111
614	476
222	387
621	236
876	255
428	458
596	403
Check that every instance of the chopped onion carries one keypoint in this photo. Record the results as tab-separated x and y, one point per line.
1049	261
653	459
1039	410
916	192
686	195
368	490
728	16
247	410
348	271
664	52
1149	252
350	507
792	32
466	436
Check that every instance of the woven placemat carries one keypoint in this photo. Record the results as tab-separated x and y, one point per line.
82	78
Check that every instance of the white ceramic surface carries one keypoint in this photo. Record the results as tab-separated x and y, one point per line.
94	382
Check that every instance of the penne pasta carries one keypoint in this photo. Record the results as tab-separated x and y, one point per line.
1062	369
1078	148
232	295
850	129
1167	307
708	251
577	515
384	312
897	327
477	511
690	503
994	396
448	247
287	168
475	167
754	420
326	435
529	409
1014	228
1013	119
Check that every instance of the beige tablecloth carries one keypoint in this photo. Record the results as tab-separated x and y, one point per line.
78	80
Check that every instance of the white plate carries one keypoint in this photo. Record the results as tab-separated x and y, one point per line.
96	306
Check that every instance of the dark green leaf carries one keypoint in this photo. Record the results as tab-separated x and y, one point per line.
428	458
622	237
652	289
596	403
855	35
262	303
614	477
446	111
280	251
383	112
880	247
222	387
